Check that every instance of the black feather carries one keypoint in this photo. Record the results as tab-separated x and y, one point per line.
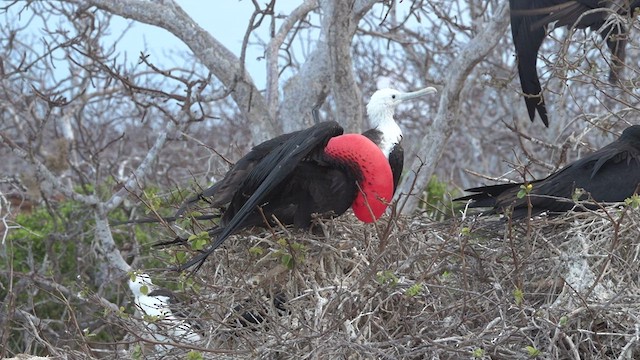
528	21
610	174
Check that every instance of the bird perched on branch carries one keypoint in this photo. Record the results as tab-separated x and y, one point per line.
529	19
319	170
611	174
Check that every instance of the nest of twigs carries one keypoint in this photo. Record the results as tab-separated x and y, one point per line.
483	287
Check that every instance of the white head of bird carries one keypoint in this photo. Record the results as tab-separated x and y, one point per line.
139	281
381	108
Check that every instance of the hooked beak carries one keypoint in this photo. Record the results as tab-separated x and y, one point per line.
415	94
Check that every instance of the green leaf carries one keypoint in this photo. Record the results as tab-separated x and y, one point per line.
532	352
137	353
445	276
387	277
478	353
525	189
577	194
414	290
633	201
194	355
199	244
200	235
287	261
181	257
518	295
563	321
256	251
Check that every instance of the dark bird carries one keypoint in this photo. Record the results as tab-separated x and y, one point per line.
529	19
610	174
314	171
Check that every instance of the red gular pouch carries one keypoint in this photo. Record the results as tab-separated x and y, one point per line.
376	184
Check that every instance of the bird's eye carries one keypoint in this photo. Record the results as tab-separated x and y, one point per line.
393	96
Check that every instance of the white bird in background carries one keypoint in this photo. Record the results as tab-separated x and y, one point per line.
156	306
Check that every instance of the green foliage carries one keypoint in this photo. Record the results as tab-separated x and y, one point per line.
194	355
436	190
525	190
189	220
37	238
532	352
438	202
88	333
256	251
414	290
86	189
122	312
633	201
199	241
186	282
181	257
445	276
478	353
137	353
151	318
55	240
290	253
387	277
563	321
152	200
518	296
577	194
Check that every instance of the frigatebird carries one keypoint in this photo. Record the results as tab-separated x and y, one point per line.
610	174
529	19
170	321
318	170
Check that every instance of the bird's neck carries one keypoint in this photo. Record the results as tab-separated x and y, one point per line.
389	132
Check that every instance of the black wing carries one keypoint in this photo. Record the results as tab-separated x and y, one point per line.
221	193
528	21
487	196
266	176
610	174
396	161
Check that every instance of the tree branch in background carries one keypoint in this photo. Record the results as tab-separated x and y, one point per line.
211	53
46	176
344	89
448	116
311	84
272	54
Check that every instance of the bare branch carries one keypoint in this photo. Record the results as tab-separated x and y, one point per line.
140	173
211	53
448	116
272	53
48	178
312	83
